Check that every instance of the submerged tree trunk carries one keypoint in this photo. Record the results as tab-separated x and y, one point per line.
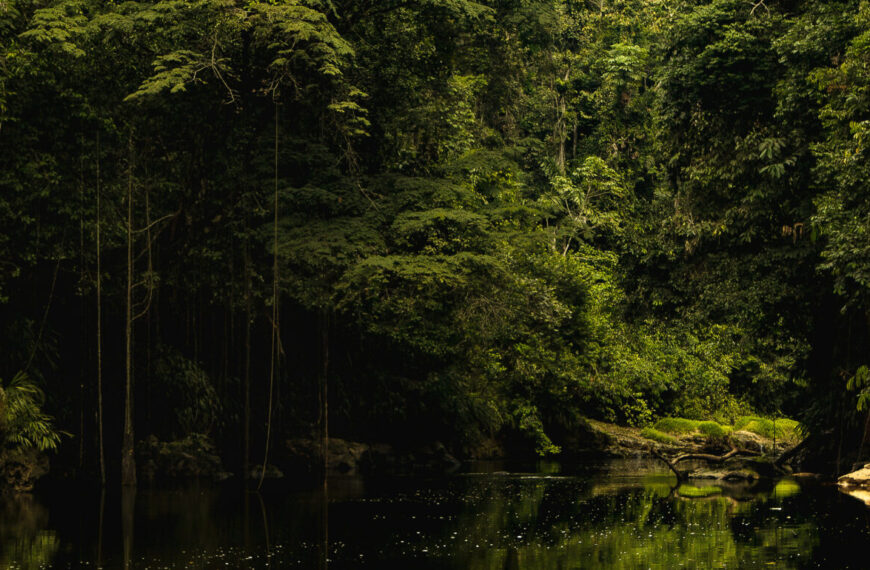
128	517
324	393
246	455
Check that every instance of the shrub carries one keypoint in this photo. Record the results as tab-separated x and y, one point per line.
656	435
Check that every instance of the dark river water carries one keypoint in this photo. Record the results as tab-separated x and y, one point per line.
621	514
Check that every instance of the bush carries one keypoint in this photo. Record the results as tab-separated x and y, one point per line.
676	425
656	435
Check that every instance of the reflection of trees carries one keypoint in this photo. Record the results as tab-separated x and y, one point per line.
24	540
559	524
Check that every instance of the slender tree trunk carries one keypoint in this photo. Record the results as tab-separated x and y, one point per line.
560	133
274	343
100	333
247	372
83	324
128	461
574	142
561	130
324	393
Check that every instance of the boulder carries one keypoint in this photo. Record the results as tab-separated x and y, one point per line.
856	479
856	484
195	456
748	440
434	457
20	468
489	448
353	458
271	472
343	457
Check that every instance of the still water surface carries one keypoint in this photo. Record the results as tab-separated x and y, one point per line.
622	514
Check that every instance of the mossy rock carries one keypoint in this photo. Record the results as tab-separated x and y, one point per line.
783	429
195	456
655	435
714	430
676	425
20	468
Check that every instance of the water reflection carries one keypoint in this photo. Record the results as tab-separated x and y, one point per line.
26	541
606	518
128	510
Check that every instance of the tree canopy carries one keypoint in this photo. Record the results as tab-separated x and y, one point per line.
458	221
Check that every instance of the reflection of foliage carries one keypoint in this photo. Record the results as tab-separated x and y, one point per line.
691	491
35	552
24	540
552	523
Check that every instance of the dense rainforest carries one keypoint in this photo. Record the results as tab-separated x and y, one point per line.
428	220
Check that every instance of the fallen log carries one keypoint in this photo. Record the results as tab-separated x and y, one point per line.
684	475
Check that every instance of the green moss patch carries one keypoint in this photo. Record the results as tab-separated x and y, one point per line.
676	425
714	430
786	430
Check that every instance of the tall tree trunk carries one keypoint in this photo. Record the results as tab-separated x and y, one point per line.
100	333
274	342
128	461
245	94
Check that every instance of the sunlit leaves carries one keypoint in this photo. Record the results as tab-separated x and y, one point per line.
22	421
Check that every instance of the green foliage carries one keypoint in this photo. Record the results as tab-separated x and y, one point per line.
190	393
504	216
860	383
656	435
23	424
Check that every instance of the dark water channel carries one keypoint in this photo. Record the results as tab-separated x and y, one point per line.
613	515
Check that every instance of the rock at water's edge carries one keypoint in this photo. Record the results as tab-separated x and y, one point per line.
859	478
